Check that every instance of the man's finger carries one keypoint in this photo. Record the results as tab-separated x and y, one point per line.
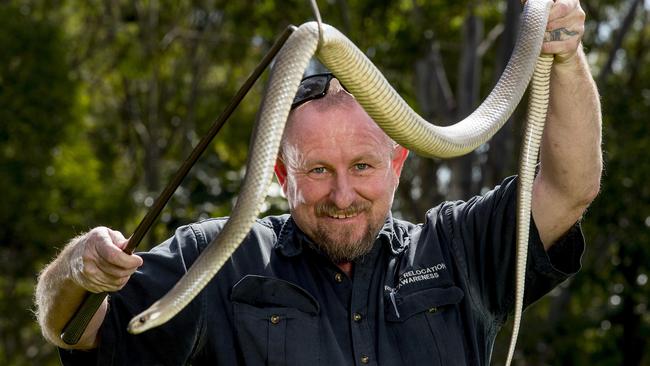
112	280
570	21
561	50
98	278
118	239
114	255
560	35
562	9
112	270
116	236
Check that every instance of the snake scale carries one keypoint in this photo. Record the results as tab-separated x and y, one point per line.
396	118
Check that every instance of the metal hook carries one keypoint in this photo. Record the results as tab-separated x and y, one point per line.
314	9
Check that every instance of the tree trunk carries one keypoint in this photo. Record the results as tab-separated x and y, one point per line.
500	156
461	185
641	50
618	41
345	15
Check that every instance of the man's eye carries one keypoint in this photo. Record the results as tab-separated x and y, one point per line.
361	166
318	170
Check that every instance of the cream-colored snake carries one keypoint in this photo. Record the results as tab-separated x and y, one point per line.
396	118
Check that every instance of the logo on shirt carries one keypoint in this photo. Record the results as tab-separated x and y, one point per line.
422	274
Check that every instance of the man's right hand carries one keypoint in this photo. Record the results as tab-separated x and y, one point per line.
91	262
98	263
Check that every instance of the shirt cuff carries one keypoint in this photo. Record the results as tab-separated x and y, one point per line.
562	259
78	357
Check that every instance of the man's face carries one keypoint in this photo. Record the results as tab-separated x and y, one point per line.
339	172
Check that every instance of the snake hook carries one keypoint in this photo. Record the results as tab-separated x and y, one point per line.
314	8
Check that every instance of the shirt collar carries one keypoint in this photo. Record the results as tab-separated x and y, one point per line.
291	239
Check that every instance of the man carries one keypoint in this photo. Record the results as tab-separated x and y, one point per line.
339	281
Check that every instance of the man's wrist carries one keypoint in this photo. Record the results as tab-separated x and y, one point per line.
73	260
571	63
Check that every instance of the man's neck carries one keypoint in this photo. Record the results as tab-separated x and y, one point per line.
346	267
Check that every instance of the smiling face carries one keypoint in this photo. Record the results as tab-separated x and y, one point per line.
339	172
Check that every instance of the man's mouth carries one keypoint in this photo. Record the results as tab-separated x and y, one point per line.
343	215
333	212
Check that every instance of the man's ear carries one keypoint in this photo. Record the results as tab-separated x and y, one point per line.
281	173
399	157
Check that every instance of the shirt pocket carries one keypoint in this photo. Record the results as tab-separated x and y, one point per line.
276	322
426	326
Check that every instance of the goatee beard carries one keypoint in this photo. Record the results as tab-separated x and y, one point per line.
340	245
342	250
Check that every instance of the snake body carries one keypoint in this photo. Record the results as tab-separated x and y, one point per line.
395	117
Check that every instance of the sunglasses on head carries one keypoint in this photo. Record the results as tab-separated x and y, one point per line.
313	87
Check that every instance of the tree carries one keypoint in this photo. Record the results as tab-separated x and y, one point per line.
37	115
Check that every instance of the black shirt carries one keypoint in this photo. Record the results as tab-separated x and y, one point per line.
434	293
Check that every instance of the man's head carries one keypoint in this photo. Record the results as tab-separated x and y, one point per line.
339	172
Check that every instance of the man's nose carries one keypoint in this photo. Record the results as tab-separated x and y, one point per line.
343	193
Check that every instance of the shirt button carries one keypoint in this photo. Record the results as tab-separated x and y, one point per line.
357	317
338	277
275	319
365	359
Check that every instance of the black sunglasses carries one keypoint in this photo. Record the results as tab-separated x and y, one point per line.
313	87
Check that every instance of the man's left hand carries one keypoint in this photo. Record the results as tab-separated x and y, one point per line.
566	25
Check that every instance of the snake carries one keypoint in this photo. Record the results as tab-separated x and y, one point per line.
391	113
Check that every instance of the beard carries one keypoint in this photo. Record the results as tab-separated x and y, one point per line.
340	245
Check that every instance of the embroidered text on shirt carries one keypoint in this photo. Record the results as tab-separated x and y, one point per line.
422	274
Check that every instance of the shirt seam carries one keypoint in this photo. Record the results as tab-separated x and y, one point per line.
271	228
198	233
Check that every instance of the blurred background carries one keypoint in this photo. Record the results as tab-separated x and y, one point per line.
101	100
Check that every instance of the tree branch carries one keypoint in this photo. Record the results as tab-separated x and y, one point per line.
618	41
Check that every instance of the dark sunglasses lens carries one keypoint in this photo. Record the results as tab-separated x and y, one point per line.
311	88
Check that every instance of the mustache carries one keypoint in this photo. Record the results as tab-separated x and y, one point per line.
327	209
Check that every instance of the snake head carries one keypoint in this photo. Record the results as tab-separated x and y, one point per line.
144	321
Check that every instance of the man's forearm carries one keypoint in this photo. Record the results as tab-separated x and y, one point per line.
571	148
570	155
57	298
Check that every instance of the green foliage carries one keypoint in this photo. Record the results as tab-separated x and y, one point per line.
37	114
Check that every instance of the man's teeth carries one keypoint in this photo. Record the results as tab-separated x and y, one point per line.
343	216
